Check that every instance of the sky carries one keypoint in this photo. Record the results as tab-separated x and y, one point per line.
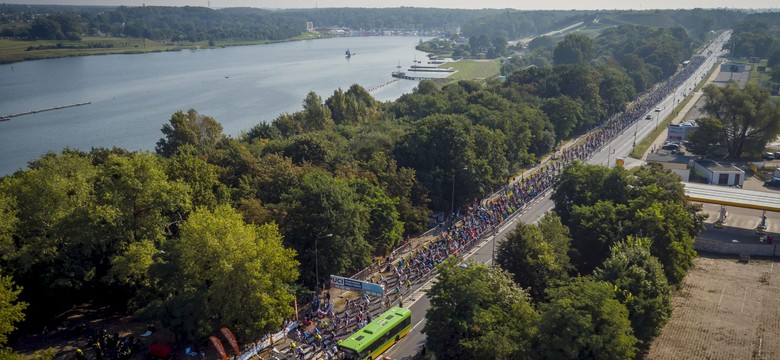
451	4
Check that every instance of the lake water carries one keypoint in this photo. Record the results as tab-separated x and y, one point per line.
132	96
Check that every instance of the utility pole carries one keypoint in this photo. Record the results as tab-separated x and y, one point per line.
317	259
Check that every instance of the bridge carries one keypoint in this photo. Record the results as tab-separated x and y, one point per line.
729	196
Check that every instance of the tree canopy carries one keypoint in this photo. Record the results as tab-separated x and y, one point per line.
221	271
748	116
584	320
11	309
478	312
574	49
603	206
641	286
537	256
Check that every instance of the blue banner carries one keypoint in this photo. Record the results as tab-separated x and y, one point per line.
343	283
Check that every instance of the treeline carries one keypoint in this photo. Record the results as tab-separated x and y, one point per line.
198	23
590	281
757	36
513	24
213	230
645	54
517	24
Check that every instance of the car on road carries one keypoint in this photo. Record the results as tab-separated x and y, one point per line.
768	156
658	109
649	117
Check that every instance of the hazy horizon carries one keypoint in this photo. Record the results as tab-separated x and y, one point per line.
445	4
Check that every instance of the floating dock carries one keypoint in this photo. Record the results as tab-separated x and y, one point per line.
9	117
430	69
402	75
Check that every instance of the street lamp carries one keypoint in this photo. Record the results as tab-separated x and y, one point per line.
452	203
493	253
317	259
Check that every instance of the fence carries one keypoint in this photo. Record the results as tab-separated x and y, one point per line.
730	248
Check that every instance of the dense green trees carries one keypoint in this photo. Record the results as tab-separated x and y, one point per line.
11	309
200	23
602	207
747	116
708	137
753	38
222	271
478	312
441	148
322	205
188	129
574	49
641	286
647	54
537	256
103	227
584	320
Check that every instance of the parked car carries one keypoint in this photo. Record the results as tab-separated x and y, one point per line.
777	155
772	183
768	156
670	146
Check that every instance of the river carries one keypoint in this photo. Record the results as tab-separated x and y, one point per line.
132	96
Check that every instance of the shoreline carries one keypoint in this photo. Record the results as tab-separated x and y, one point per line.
8	55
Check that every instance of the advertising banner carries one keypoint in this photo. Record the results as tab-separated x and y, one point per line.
230	339
218	346
343	283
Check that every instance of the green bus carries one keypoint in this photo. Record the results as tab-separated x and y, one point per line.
378	336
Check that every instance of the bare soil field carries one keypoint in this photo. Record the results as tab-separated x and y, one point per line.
725	309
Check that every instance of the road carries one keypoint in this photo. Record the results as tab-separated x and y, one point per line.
619	147
740	218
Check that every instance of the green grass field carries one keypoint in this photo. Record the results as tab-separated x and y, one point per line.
473	69
757	77
17	50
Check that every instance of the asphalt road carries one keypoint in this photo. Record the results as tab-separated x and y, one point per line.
619	147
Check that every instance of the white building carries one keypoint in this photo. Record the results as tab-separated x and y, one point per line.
719	173
676	163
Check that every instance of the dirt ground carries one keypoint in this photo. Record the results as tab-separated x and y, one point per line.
71	330
725	310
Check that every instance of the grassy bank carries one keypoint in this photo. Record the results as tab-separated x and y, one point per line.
21	50
473	69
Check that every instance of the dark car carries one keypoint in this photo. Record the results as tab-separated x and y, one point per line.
772	183
649	117
670	146
768	156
